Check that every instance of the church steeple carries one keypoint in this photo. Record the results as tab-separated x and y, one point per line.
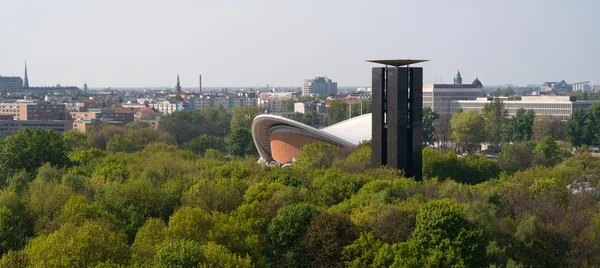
178	87
457	78
26	80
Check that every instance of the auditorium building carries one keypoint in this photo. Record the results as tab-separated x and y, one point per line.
279	139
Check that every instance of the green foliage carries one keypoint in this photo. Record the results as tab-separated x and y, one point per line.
336	112
240	143
99	136
578	128
362	252
520	127
200	144
548	152
468	130
443	237
470	169
184	253
326	237
190	223
118	143
79	246
232	212
221	195
317	155
395	224
429	117
286	231
334	187
147	241
242	117
15	226
515	157
495	120
29	149
179	253
356	161
74	139
546	125
185	125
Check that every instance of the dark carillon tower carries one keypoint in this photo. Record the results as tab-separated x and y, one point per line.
398	116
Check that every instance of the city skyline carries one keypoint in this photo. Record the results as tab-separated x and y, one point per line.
282	44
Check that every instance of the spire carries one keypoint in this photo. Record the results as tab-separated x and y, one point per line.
457	78
178	87
26	81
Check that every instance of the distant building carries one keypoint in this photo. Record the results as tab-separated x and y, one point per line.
319	86
178	86
167	107
279	139
105	115
555	86
457	78
81	120
10	126
272	105
31	110
582	86
439	96
228	102
26	81
11	83
560	107
312	106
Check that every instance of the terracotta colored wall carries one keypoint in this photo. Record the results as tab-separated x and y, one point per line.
285	146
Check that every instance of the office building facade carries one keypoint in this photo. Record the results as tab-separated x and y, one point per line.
439	96
11	83
560	107
319	86
34	111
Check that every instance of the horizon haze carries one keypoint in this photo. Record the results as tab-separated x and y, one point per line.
252	43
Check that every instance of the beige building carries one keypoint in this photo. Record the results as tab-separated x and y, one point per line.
81	120
33	111
560	107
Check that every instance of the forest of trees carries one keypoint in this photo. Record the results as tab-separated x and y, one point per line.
193	195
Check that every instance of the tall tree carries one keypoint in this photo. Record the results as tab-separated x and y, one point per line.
242	117
545	125
548	152
593	124
442	131
495	119
429	117
468	130
29	149
520	127
240	143
336	112
364	107
576	128
186	125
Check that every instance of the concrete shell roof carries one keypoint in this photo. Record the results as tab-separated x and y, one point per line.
344	134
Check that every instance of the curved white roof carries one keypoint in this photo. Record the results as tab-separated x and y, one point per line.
354	130
345	134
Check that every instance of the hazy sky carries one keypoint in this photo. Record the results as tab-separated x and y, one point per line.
251	43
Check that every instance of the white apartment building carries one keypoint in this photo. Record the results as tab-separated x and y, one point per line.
319	86
228	102
560	107
167	107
